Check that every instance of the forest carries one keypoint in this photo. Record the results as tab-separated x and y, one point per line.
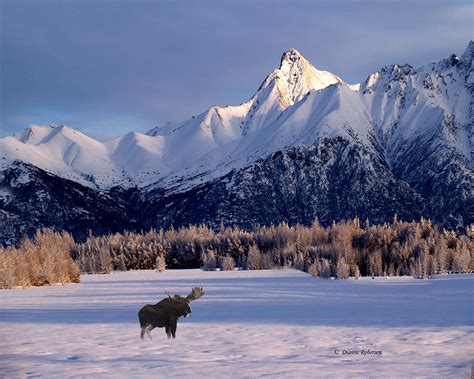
342	250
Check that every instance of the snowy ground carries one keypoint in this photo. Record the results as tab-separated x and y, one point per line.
248	324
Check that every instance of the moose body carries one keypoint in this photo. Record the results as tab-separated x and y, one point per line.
165	314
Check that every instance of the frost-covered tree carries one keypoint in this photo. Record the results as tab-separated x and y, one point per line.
313	270
267	261
387	249
342	269
441	255
227	263
461	258
298	261
209	262
355	272
375	262
161	263
324	268
254	258
44	261
423	263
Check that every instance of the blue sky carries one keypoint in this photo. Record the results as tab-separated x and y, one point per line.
107	67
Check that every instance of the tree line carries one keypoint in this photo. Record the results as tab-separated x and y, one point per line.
342	250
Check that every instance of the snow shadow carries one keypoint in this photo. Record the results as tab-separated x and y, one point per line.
292	300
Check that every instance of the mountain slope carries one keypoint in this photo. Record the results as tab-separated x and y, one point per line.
31	198
329	180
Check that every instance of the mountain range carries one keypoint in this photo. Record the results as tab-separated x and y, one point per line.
306	145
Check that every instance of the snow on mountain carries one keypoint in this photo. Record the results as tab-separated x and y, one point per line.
305	145
137	159
63	151
396	107
136	154
300	76
296	104
34	134
406	104
283	88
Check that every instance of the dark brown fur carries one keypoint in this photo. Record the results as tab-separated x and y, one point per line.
165	314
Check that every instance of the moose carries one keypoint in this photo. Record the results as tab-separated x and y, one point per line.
165	314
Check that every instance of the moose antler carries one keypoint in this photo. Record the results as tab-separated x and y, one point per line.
168	294
195	294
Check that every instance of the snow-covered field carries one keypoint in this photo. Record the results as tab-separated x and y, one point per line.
279	323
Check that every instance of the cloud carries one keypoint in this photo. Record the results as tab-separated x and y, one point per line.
103	65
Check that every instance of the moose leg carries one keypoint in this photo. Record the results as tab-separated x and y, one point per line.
168	332
173	328
148	329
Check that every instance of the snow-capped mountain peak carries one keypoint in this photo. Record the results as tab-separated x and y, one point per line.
381	78
300	76
292	55
284	87
34	134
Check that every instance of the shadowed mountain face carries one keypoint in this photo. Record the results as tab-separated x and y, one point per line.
331	180
306	145
32	198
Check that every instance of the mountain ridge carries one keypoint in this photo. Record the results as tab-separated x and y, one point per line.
201	134
403	139
218	126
